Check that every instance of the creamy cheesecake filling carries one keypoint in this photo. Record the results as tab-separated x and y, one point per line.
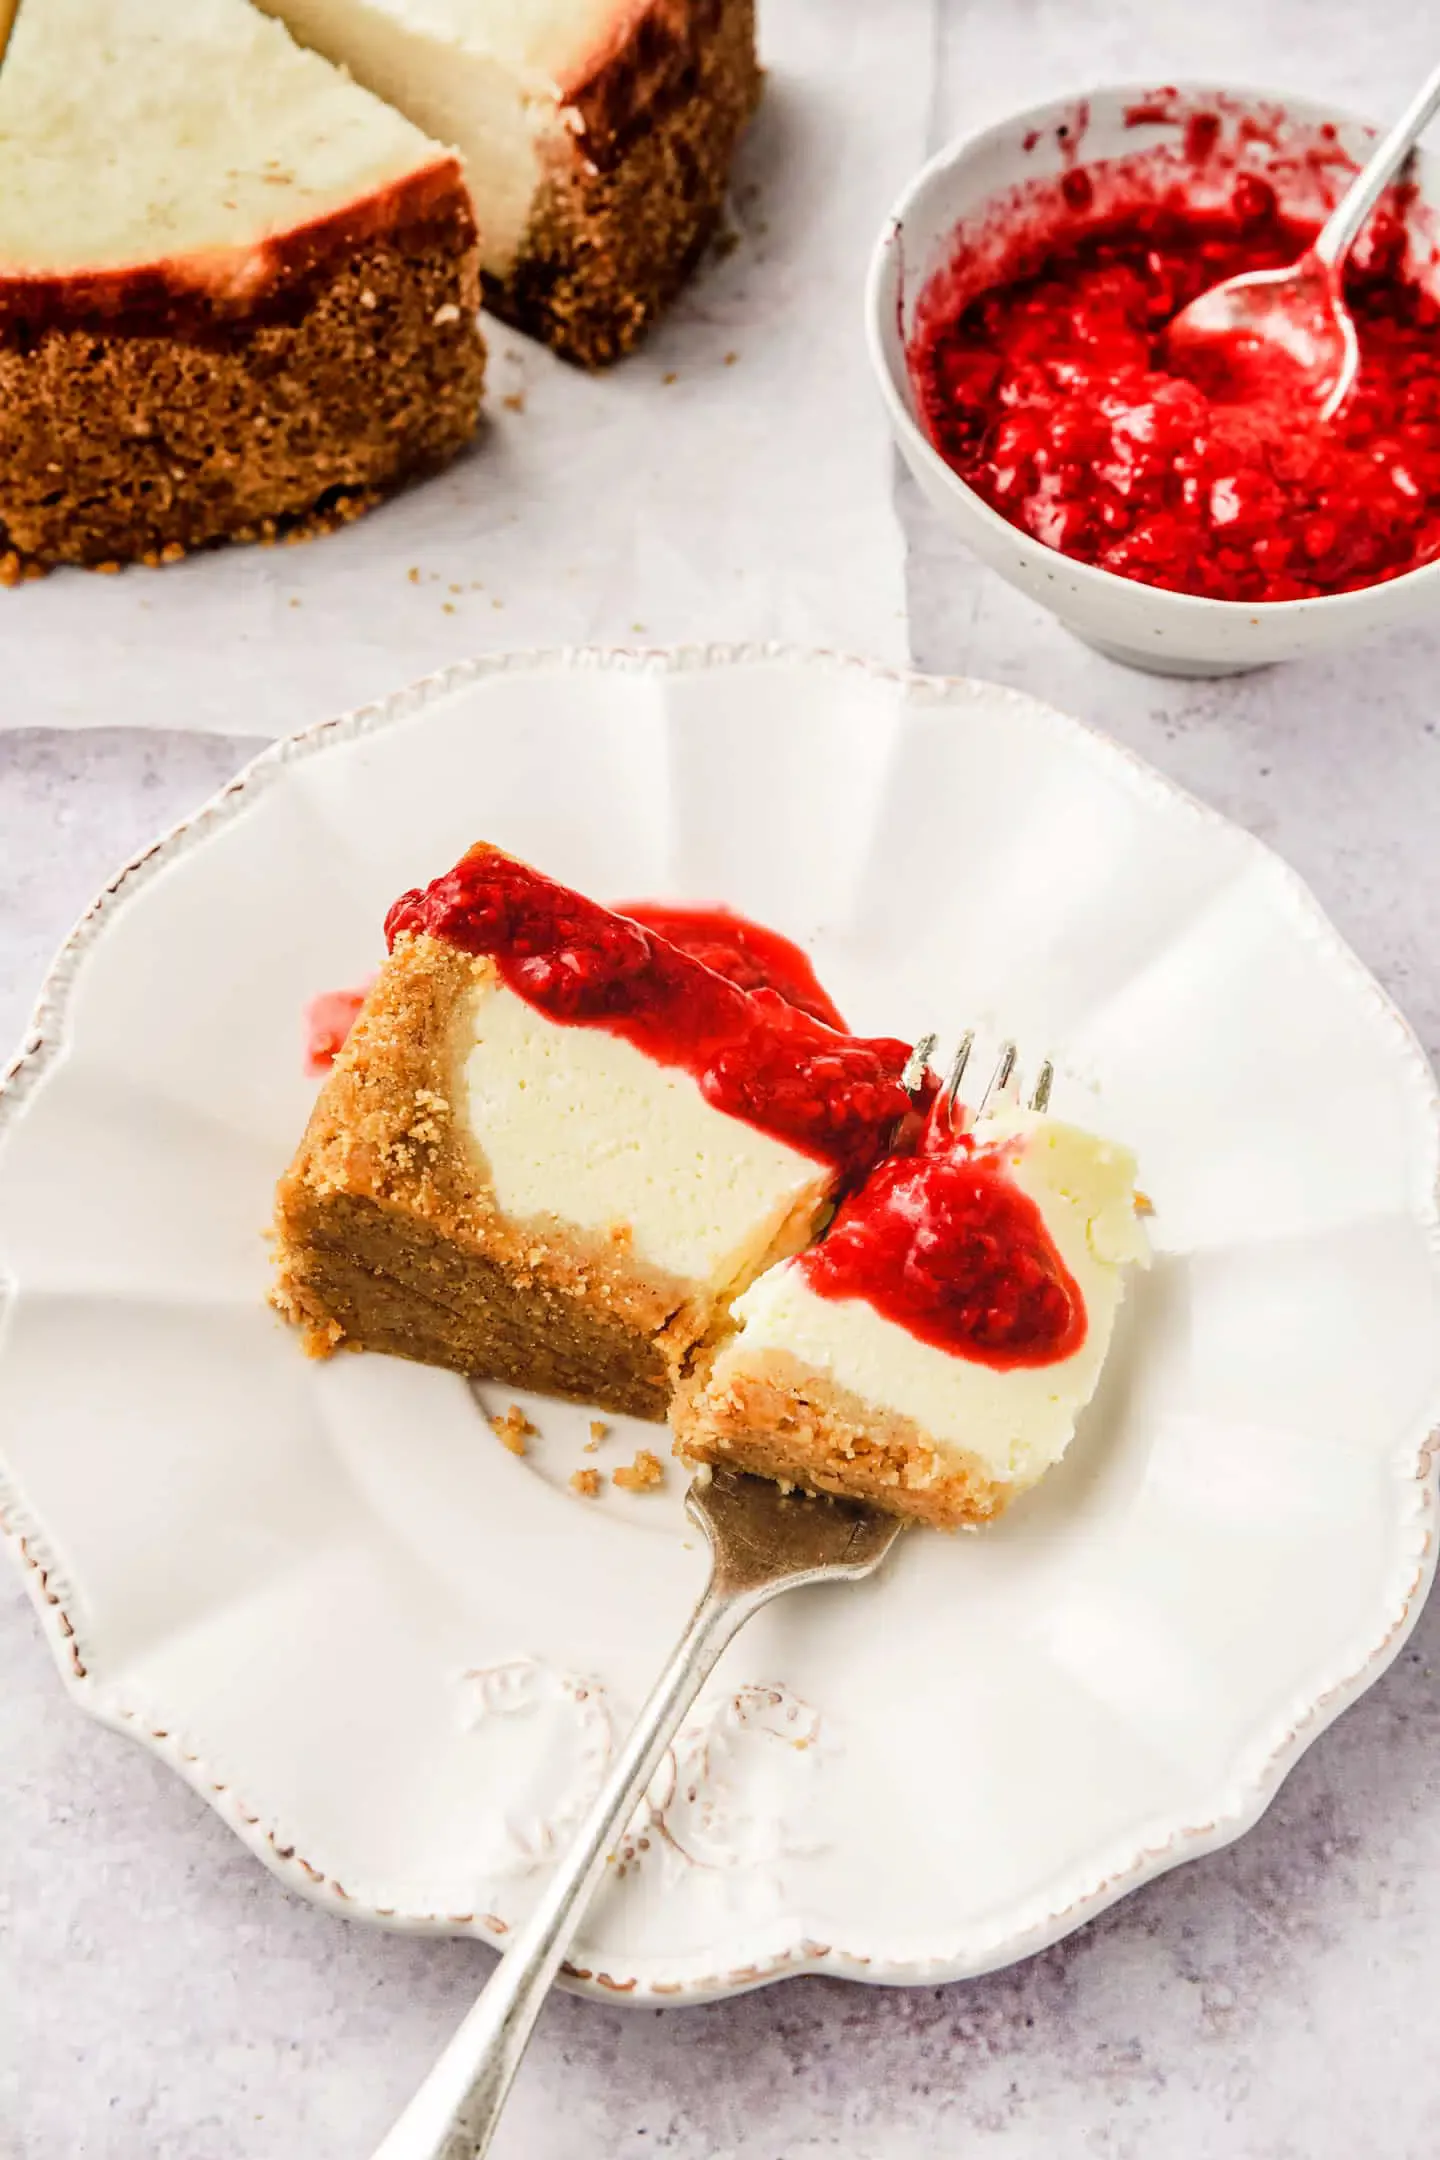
464	73
486	77
578	1126
156	131
492	79
544	46
1018	1420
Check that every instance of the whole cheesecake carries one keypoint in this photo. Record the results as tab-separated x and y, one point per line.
597	137
237	291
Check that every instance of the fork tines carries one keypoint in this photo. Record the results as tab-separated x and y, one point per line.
1001	1080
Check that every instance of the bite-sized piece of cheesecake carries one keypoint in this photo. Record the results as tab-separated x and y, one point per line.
555	1145
237	292
597	136
931	1354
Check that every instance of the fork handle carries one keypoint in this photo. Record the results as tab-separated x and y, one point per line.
453	2115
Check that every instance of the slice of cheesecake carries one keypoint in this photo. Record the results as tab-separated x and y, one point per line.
237	292
555	1145
931	1354
597	136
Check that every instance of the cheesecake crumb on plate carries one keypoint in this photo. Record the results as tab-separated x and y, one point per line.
513	1429
642	1475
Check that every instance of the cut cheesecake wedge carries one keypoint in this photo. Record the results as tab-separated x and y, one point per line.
555	1146
597	137
237	292
932	1353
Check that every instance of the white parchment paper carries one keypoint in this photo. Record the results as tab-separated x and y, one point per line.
731	481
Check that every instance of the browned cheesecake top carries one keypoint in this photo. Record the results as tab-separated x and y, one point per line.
155	158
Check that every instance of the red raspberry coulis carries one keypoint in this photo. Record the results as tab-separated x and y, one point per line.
836	1097
743	952
328	1021
1048	393
944	1243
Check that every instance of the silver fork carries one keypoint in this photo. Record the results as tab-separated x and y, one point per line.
762	1541
1000	1082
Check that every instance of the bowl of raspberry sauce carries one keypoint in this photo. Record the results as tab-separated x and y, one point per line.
1017	304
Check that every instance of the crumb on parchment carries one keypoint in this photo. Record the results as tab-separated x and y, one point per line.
598	1431
512	1429
639	1476
585	1482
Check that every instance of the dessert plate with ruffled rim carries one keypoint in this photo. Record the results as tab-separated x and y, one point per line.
395	1656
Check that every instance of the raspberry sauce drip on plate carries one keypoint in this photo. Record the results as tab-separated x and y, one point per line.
946	1244
328	1021
835	1097
1049	393
744	952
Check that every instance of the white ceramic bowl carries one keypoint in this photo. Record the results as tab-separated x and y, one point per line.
1170	633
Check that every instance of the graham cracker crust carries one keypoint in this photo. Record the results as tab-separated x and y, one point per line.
783	1420
356	1272
140	419
617	230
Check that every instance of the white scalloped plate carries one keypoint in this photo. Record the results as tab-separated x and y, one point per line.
393	1655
